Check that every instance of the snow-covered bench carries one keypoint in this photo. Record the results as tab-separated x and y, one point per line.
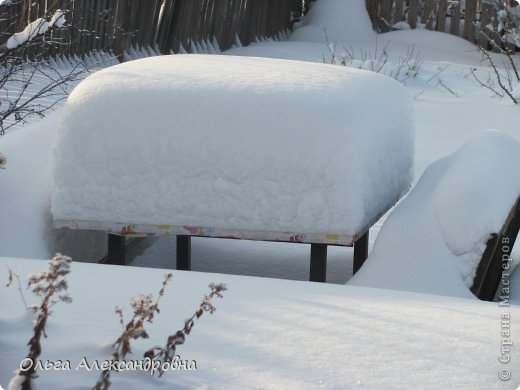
236	147
455	230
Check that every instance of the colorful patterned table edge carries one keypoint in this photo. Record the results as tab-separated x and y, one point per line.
142	230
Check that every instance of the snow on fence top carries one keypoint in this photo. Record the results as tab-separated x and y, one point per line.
232	143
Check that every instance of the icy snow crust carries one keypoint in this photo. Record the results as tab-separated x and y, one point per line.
433	241
233	142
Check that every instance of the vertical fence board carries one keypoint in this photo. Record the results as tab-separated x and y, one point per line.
117	25
165	20
232	27
429	13
144	12
188	24
385	14
4	24
469	20
398	11
412	13
485	20
180	18
455	19
441	16
247	33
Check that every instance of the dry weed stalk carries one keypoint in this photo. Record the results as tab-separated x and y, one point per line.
46	285
166	354
144	311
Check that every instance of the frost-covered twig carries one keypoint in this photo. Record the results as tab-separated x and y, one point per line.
46	285
498	76
509	54
442	84
486	85
167	353
144	311
12	276
438	73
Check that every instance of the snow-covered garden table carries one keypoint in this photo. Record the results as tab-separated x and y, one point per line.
234	147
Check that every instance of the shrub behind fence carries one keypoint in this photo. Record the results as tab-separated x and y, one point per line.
439	15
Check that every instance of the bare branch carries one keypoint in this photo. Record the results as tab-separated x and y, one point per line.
492	65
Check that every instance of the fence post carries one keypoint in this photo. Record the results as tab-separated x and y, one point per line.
398	11
384	18
486	18
373	12
455	19
441	16
469	20
412	13
429	13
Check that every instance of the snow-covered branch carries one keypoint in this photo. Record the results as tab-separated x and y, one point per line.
35	29
31	83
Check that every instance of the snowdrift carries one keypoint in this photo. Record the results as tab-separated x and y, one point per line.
432	242
261	334
339	20
233	142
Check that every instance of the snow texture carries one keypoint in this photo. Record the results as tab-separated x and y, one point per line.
25	187
266	334
33	29
432	242
401	26
58	19
282	334
233	142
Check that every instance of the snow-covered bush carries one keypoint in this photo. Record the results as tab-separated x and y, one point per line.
35	29
508	18
23	61
502	36
32	79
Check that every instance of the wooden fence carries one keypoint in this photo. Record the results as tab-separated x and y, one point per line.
439	15
164	25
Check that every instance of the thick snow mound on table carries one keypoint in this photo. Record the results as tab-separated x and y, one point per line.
435	238
233	142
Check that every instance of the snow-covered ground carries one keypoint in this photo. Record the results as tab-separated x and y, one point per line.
266	334
440	231
278	333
